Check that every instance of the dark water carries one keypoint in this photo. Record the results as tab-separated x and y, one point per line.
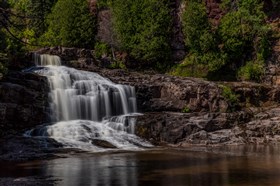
242	166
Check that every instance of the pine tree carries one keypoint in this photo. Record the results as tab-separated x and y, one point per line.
71	24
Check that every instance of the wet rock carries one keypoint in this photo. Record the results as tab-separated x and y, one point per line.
102	143
29	181
23	102
173	128
18	148
183	130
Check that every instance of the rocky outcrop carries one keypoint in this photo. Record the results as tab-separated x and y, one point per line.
214	11
177	36
105	32
23	102
184	130
168	93
19	148
174	128
253	94
211	119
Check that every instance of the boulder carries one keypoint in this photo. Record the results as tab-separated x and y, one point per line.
102	143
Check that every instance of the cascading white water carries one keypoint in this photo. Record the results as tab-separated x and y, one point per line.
85	107
79	94
45	59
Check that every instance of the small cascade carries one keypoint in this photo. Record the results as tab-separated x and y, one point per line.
86	107
45	59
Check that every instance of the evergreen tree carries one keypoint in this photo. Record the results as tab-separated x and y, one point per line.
245	37
200	38
38	11
143	29
71	24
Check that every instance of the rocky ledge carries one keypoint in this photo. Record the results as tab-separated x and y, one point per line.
188	111
183	130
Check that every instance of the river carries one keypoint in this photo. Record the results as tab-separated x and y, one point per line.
226	166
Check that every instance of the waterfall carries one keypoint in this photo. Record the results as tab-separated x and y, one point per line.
45	59
86	107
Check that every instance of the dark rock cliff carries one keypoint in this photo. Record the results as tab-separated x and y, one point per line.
23	102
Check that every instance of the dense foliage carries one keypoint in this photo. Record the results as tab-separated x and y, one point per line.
239	44
3	56
71	24
201	42
143	29
38	13
3	42
246	37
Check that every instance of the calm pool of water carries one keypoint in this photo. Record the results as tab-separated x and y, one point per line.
238	166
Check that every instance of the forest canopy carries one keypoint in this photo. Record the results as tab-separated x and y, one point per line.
237	47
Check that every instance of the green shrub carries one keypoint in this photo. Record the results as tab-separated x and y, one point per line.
190	68
118	65
251	71
101	49
241	36
196	28
230	97
186	110
104	3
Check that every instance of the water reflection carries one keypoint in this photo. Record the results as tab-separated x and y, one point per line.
97	170
238	166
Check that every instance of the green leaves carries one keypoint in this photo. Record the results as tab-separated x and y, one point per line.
195	25
241	36
143	28
71	24
253	70
246	38
199	38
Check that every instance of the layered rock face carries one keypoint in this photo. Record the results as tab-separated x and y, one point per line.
235	128
211	119
166	93
23	102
